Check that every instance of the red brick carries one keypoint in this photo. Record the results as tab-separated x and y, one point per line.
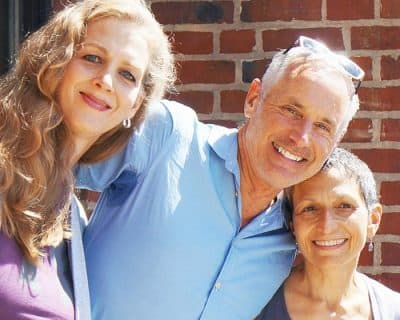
388	159
201	101
390	9
285	10
390	192
391	280
350	9
379	99
390	223
366	64
254	69
283	38
390	254
375	38
237	41
176	12
366	257
359	131
233	101
224	123
390	67
390	130
206	71
188	42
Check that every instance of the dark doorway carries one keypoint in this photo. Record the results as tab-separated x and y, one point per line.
18	18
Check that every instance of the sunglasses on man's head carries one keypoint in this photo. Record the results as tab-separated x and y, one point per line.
350	67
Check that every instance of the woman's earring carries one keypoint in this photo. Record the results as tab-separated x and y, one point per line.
126	123
370	246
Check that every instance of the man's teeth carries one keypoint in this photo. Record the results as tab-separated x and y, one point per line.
288	155
329	243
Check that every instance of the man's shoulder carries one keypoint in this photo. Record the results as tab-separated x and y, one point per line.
176	110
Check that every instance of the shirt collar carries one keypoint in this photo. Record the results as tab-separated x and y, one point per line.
224	143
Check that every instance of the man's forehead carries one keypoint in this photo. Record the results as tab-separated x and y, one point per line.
298	68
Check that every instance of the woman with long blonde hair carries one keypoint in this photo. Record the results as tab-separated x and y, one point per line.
78	88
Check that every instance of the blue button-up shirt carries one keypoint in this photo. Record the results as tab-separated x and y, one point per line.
165	241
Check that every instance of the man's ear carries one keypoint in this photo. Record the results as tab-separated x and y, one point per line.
374	220
252	98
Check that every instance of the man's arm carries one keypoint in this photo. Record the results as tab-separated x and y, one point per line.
142	147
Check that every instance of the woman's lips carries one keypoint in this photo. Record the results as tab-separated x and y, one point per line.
94	103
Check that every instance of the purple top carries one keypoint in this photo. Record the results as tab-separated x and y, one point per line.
31	293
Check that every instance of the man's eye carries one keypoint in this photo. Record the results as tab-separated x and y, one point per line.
127	75
291	110
345	205
322	126
92	58
309	209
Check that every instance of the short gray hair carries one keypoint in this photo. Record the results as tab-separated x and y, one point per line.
298	55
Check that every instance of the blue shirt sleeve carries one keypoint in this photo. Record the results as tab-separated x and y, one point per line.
142	147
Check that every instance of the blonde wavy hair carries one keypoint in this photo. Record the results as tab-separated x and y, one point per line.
36	179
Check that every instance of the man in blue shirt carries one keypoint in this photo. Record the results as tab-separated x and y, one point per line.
190	224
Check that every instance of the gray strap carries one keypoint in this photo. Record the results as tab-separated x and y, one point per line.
79	276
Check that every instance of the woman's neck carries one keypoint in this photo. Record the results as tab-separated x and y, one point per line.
330	284
81	145
330	292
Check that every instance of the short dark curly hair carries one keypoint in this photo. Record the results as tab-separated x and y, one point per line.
351	166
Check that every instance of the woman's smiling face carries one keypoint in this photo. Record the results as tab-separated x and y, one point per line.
330	219
102	84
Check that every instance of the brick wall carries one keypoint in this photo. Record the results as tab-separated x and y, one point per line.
222	45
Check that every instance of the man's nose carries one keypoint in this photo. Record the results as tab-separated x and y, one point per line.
301	132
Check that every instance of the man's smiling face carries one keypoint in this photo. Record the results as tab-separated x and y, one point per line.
293	127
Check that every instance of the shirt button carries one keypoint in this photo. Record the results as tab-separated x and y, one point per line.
218	285
236	194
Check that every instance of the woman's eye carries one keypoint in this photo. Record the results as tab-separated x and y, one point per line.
92	58
127	75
